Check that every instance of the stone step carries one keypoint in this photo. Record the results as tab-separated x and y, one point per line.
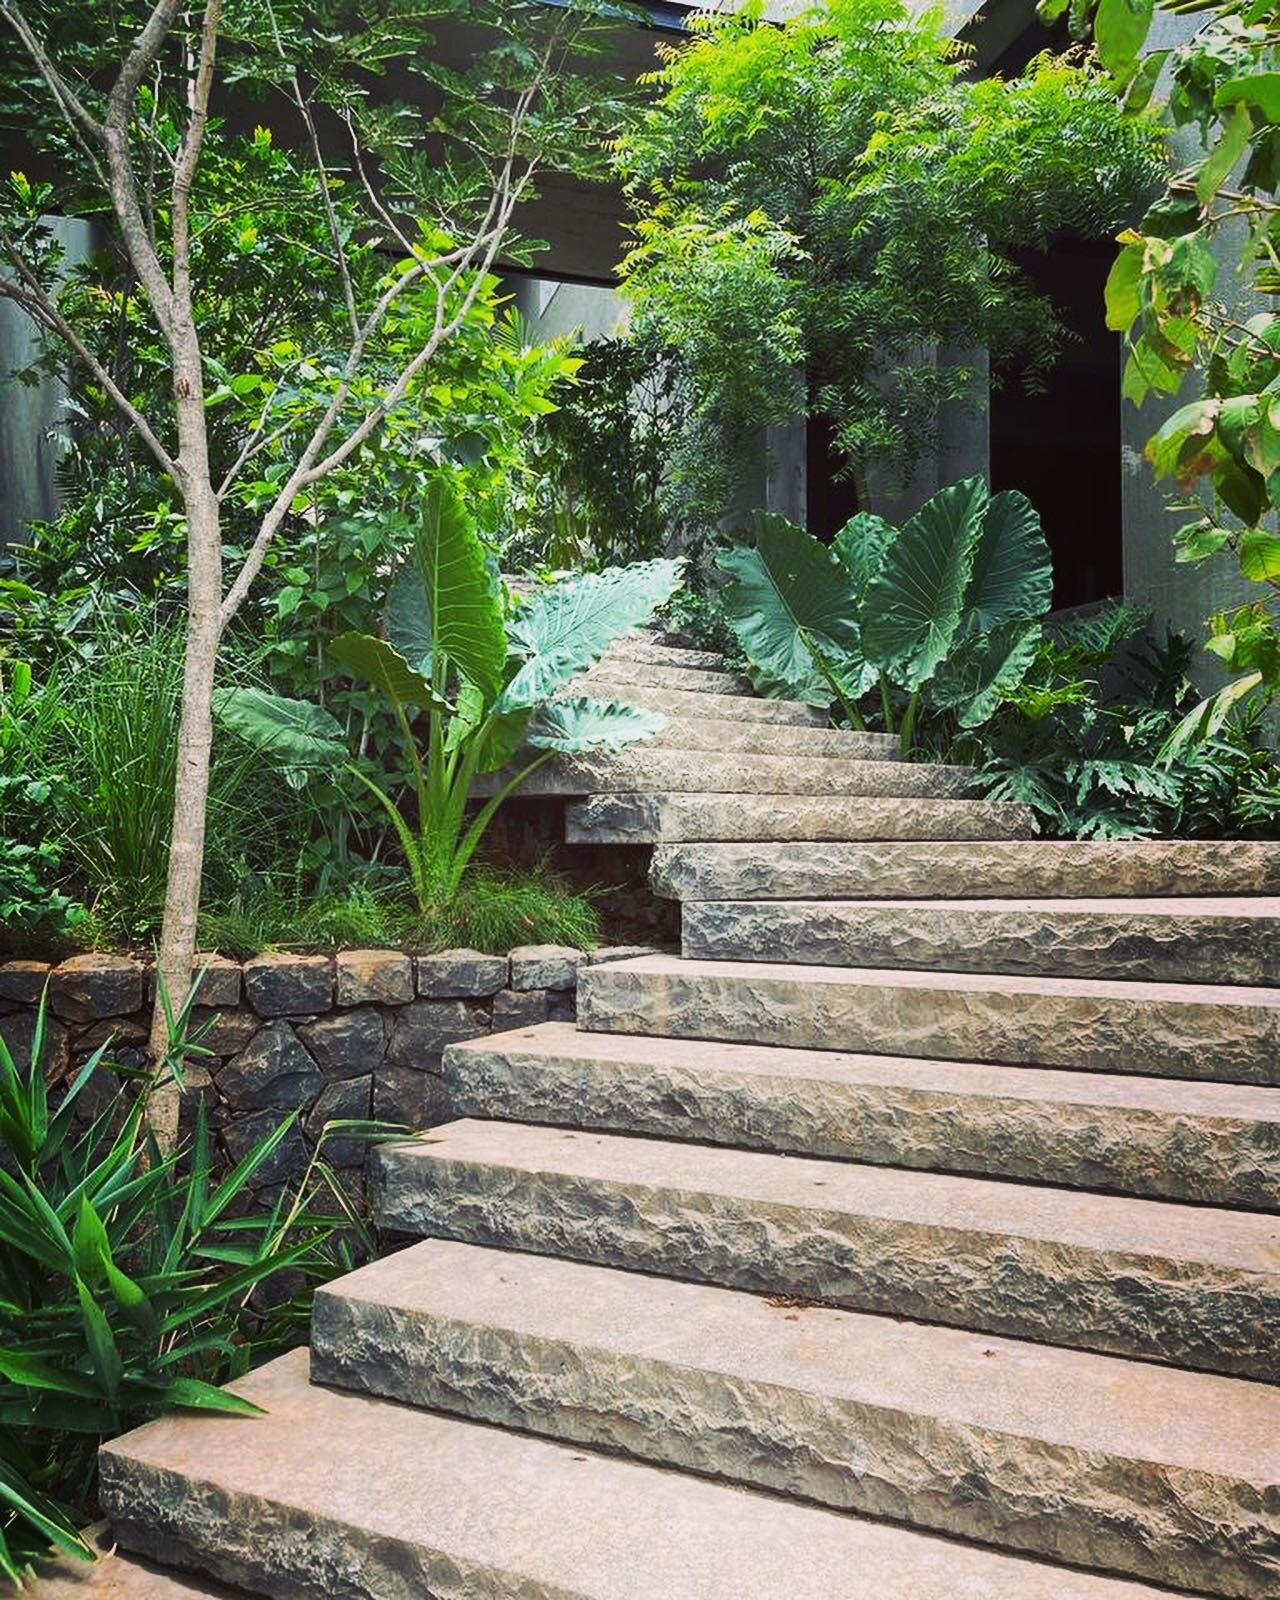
654	818
117	1576
951	869
1200	1031
335	1494
774	738
655	652
1223	940
641	769
695	703
1164	1138
646	675
1081	1458
1191	1285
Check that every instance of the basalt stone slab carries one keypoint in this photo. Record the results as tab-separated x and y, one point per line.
655	818
658	654
954	870
226	1033
273	1072
1165	1138
1220	1033
374	977
91	986
1165	1282
1222	940
410	1097
289	985
545	966
23	981
461	974
347	1043
650	675
514	1008
772	738
686	703
1146	1470
18	1032
642	769
350	1100
336	1493
425	1027
287	1161
218	979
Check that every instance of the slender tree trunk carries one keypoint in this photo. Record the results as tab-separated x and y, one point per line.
195	725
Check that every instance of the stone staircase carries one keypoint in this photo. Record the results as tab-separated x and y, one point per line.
914	1235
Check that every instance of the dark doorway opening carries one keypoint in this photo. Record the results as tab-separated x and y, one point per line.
829	500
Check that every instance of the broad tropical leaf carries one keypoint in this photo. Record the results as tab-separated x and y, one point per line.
408	621
463	612
577	723
911	613
860	547
984	671
502	737
566	628
293	732
786	597
1012	569
383	666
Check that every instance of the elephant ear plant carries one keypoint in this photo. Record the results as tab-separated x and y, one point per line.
949	605
486	672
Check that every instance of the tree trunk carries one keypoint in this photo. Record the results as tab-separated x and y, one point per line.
195	727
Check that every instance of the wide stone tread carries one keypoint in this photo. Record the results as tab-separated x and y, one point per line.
1202	1031
1160	1137
689	702
954	870
1223	940
642	769
1190	1285
657	653
1161	1474
773	738
654	818
335	1494
648	675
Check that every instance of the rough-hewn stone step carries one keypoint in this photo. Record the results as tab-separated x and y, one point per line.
1191	1285
642	769
653	651
340	1494
1218	1032
774	738
647	675
1223	940
1082	1458
951	869
653	818
692	703
1160	1137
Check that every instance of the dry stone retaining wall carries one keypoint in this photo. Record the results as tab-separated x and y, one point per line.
356	1035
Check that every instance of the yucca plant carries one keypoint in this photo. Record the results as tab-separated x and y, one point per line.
484	673
129	1280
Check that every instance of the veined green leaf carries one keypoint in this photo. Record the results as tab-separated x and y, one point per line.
378	663
1012	574
464	613
576	723
294	733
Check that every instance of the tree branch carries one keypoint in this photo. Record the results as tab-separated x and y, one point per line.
184	171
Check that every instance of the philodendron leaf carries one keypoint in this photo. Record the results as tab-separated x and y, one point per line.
567	627
911	612
788	596
295	733
463	609
576	723
382	665
860	548
408	621
983	672
1012	575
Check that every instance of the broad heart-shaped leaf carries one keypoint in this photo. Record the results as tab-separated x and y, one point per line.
567	627
379	664
293	733
860	547
1012	569
577	723
463	610
408	621
787	596
912	611
502	736
982	672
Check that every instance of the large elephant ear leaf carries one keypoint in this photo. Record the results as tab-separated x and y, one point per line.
386	669
576	723
860	547
294	733
983	672
912	611
500	738
786	597
463	620
567	627
1012	569
408	620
